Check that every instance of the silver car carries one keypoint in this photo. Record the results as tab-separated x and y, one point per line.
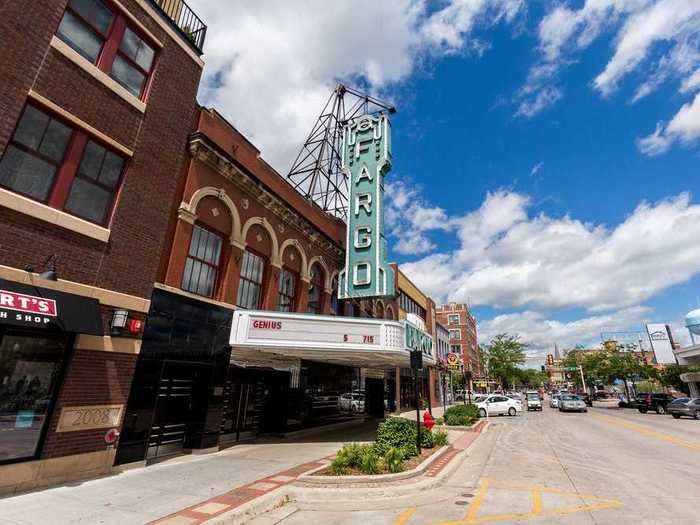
572	403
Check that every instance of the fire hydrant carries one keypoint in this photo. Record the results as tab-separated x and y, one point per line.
428	421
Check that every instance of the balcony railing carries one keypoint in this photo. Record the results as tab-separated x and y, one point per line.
187	22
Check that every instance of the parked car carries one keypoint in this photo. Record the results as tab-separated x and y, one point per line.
655	402
352	402
586	398
497	404
684	406
533	400
572	403
554	401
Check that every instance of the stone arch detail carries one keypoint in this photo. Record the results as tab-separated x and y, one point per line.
389	313
380	304
327	274
276	259
304	261
219	193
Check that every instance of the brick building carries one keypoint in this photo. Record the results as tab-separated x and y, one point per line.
463	341
96	102
243	240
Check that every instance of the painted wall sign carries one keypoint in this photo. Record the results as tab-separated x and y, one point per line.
89	417
366	160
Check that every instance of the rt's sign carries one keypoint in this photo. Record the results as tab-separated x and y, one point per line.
366	160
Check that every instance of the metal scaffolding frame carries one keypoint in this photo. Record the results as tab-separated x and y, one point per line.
317	172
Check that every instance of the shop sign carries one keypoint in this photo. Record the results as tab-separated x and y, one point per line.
366	159
36	307
89	417
26	308
453	361
417	340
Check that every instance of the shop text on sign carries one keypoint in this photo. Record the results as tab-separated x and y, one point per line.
26	308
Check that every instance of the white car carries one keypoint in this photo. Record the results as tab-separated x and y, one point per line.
534	402
352	402
554	401
498	404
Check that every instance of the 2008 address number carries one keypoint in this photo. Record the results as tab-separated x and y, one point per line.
89	417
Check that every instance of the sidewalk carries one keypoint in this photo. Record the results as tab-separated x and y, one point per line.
437	412
146	494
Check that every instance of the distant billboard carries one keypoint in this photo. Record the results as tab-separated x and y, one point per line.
661	343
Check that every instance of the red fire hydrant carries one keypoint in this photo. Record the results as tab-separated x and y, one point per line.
428	421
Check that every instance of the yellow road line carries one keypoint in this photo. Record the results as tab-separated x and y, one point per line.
477	501
405	516
536	500
692	445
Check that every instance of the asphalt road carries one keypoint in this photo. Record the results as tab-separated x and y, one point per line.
602	467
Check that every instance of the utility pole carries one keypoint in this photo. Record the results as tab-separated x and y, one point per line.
583	379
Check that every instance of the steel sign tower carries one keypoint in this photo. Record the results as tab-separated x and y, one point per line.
366	159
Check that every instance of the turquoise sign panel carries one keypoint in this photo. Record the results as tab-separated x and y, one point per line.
366	160
417	340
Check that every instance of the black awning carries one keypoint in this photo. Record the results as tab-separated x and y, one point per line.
32	306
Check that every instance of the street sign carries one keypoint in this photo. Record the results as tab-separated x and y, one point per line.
366	160
453	361
571	368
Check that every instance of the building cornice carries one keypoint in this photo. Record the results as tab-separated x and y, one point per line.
200	148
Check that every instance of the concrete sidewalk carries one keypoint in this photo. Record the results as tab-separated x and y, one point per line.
146	494
438	411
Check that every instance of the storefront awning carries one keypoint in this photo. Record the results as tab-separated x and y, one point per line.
260	336
29	306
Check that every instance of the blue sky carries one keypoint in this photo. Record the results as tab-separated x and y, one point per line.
546	153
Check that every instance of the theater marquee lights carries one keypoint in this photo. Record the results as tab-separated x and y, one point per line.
366	160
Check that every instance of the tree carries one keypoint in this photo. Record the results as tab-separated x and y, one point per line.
504	354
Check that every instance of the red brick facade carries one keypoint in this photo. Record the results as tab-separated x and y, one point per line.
124	254
464	325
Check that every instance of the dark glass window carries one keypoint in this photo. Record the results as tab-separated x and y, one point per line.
202	263
286	291
315	289
250	286
94	187
453	319
84	27
42	162
335	304
34	154
29	373
88	25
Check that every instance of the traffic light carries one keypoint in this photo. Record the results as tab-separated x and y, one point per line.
550	359
543	368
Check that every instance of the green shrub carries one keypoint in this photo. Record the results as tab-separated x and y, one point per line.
394	460
440	421
369	463
461	415
426	438
440	438
396	432
340	464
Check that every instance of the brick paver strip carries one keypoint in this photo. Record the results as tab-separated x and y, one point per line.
205	510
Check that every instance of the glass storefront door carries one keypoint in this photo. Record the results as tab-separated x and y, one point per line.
30	367
239	420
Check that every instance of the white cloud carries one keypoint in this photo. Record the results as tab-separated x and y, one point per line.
541	333
669	29
684	127
537	168
271	64
408	217
508	258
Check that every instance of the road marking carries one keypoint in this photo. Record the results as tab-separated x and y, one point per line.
405	516
477	501
589	503
692	445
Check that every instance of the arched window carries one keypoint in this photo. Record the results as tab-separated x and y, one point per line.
202	263
379	310
251	283
335	304
286	291
315	305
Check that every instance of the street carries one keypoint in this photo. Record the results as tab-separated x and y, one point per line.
604	466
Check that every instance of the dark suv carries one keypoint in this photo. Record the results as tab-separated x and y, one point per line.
656	402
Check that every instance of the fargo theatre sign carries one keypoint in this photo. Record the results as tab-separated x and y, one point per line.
366	160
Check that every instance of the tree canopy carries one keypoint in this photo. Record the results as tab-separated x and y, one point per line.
503	357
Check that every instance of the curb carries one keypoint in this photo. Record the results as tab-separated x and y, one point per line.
319	494
330	481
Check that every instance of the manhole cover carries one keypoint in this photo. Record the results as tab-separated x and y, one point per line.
461	503
467	495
